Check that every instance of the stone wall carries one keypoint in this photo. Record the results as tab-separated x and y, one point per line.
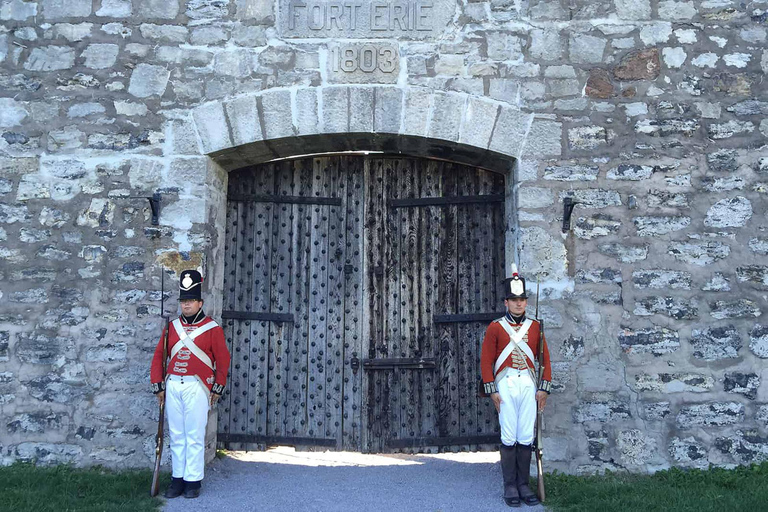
650	114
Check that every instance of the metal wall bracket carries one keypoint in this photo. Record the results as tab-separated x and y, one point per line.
568	205
154	204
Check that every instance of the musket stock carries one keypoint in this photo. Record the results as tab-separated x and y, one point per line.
154	488
538	451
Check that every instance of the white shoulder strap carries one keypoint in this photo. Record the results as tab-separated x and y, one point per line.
515	339
188	340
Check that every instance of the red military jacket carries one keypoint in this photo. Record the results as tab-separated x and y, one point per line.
496	338
207	358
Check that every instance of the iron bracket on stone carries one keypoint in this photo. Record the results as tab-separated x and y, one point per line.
154	204
568	205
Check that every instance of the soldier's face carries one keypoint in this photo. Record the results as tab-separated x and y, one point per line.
190	307
516	306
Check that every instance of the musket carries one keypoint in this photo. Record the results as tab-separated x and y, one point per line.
538	451
154	488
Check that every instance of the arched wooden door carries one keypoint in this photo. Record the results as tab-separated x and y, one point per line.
357	290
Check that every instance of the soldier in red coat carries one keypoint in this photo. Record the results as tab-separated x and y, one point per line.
509	350
197	365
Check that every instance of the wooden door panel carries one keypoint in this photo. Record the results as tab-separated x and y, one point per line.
442	252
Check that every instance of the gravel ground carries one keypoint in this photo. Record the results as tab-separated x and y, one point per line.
282	479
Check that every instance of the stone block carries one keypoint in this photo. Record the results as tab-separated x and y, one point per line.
587	137
688	452
599	84
718	283
107	353
242	113
509	136
655	411
715	414
12	112
100	56
361	109
758	341
259	11
664	127
633	10
542	254
674	382
587	228
163	33
628	172
48	454
546	45
37	422
544	139
745	446
61	9
601	410
307	120
635	447
593	198
653	340
585	49
115	9
335	114
50	58
730	129
715	343
594	376
679	309
734	212
446	117
389	110
479	121
17	10
625	253
535	197
148	80
699	253
418	103
662	225
664	199
212	127
639	65
571	173
711	184
661	279
742	383
598	276
572	348
751	107
740	308
233	63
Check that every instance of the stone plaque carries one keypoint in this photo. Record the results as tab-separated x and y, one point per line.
364	19
363	63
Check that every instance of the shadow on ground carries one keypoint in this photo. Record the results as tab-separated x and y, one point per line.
282	479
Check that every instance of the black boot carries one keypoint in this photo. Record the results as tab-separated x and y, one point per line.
524	453
175	489
192	489
509	473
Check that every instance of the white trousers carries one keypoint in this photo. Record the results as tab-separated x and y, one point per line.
517	415
186	405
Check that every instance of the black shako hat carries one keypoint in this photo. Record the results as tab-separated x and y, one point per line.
514	287
190	285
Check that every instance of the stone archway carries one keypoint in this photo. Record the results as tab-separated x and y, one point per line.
273	124
279	124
